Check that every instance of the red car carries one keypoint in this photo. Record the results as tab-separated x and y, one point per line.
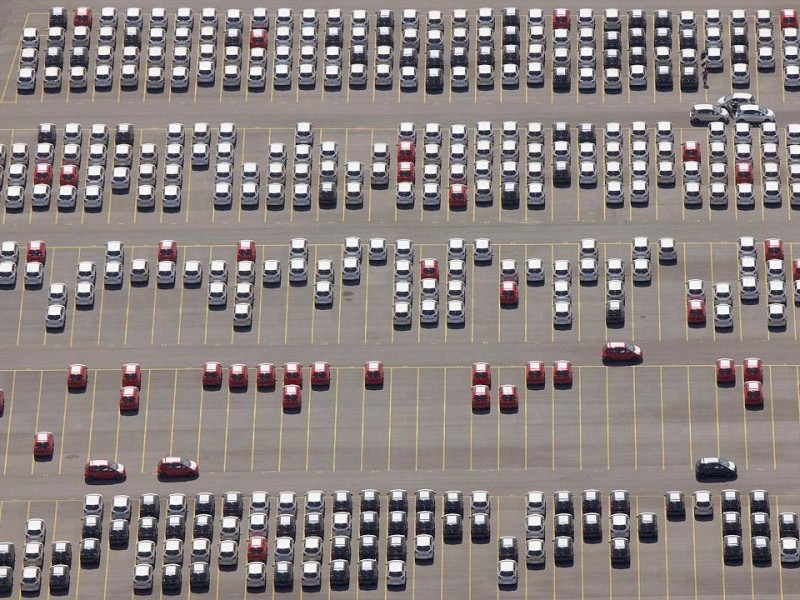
246	249
83	16
128	398
293	374
534	372
429	269
696	312
132	375
265	375
292	396
168	250
37	252
753	371
98	470
796	269
320	374
77	377
509	293
68	175
373	373
744	172
257	547
237	376
562	372
481	397
258	38
726	371
753	393
406	152
406	172
2	402
621	352
457	198
175	467
773	248
43	443
508	396
561	18
789	18
43	173
691	151
212	373
482	374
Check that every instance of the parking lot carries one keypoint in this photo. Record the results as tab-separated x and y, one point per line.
639	428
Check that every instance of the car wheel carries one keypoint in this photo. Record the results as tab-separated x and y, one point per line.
117	477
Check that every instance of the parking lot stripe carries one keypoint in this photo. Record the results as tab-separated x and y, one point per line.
661	402
366	302
444	423
153	317
685	279
389	437
689	417
608	424
552	427
38	409
14	61
91	415
772	418
363	411
335	420
635	421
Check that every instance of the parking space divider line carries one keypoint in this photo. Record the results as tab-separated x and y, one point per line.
147	415
309	402
38	409
91	415
689	418
63	431
335	420
772	419
389	425
15	60
608	425
635	422
363	411
552	427
172	420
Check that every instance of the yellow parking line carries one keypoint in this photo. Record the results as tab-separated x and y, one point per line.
552	427
389	442
147	415
36	427
689	419
444	420
253	435
14	61
91	415
207	311
685	279
308	423
635	422
63	432
174	402
608	426
153	318
200	425
363	411
335	421
772	419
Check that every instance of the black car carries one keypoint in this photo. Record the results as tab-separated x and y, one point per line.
620	551
732	550
369	523
662	37
133	37
731	500
384	37
233	504
149	505
171	577
396	547
561	173
435	60
731	523
688	39
648	525
176	527
59	577
454	503
459	57
340	572
637	18
92	527
689	78
563	525
199	576
409	57
636	38
615	312
398	500
562	132
282	574
368	547
425	501
6	579
561	79
342	501
398	523
327	193
480	527
592	526
118	532
147	529
233	37
662	18
8	554
591	502
90	551
57	17
619	502
368	572
510	17
358	54
385	18
563	550
286	526
124	134
612	40
205	504
486	55
453	529
511	35
664	77
759	501
739	54
787	524
675	504
612	59
759	524
760	550
714	468
340	547
61	553
203	526
738	36
54	57
79	57
314	524
562	503
507	548
424	522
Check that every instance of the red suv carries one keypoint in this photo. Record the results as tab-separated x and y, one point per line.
77	377
562	372
212	373
265	375
132	375
292	396
482	374
621	352
508	396
726	371
481	398
373	373
458	196
237	376
753	371
293	374
43	444
320	374
129	398
534	373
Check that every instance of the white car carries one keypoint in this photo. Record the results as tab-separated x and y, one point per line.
562	314
256	575
8	273
402	313
587	269
429	311
507	572
165	275
34	273
217	293
395	573
456	314
143	576
56	316
84	293
776	315
723	316
323	293
482	250
423	547
228	553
